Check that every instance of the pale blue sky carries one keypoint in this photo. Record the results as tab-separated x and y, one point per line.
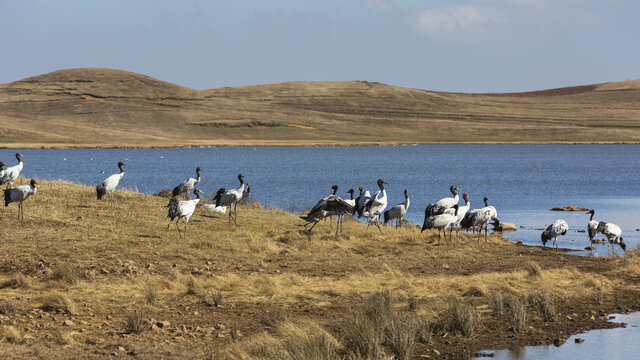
455	45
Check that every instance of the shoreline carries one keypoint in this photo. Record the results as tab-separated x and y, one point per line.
300	144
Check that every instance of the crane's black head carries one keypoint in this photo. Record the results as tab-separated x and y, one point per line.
198	169
485	201
592	212
33	183
465	197
406	193
197	191
350	191
359	188
18	156
2	165
248	187
240	178
622	245
453	189
219	193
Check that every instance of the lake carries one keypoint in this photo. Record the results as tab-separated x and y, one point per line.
616	343
522	181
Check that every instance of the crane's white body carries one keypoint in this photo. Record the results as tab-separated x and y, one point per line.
440	222
553	231
19	194
186	186
444	205
183	210
230	199
11	173
214	208
109	184
398	211
462	211
613	234
376	205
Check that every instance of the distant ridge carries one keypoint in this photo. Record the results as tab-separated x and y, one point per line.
96	107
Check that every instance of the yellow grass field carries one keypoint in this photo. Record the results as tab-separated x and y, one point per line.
113	108
81	280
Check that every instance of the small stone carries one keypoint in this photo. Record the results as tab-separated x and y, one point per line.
220	336
163	324
120	348
109	317
68	323
436	352
579	340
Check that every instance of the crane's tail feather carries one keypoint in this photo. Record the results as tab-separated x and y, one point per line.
7	197
386	217
176	191
101	190
173	208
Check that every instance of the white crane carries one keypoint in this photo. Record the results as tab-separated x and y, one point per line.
186	186
231	198
462	211
327	206
19	194
445	204
398	211
376	205
361	200
592	226
183	210
613	234
479	217
11	173
440	222
559	227
109	184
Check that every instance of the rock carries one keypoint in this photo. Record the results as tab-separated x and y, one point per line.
581	231
120	348
503	226
67	323
558	342
579	340
589	247
569	208
436	352
163	324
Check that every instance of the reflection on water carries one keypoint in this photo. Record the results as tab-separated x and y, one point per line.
610	344
522	181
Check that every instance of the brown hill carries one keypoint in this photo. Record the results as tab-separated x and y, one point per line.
104	107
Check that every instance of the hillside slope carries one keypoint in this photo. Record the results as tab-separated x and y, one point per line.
105	107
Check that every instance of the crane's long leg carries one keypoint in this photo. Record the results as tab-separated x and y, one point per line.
178	227
439	237
19	210
378	225
185	229
235	212
486	231
368	223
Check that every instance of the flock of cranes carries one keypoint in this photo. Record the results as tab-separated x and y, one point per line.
442	215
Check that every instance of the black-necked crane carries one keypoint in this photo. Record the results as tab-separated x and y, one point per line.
351	201
11	173
613	234
398	211
361	200
231	198
558	228
376	205
183	210
19	194
186	186
592	226
462	211
109	184
223	209
440	222
480	217
327	206
445	204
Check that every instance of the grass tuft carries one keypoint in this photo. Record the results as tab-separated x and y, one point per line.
18	281
66	274
134	322
11	335
517	306
193	287
6	307
459	318
62	338
58	302
533	269
151	294
547	305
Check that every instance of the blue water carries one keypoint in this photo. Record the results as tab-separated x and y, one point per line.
610	344
522	181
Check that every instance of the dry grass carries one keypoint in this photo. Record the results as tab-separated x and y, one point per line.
6	307
245	284
134	322
18	281
517	307
62	337
11	334
300	113
58	302
533	269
